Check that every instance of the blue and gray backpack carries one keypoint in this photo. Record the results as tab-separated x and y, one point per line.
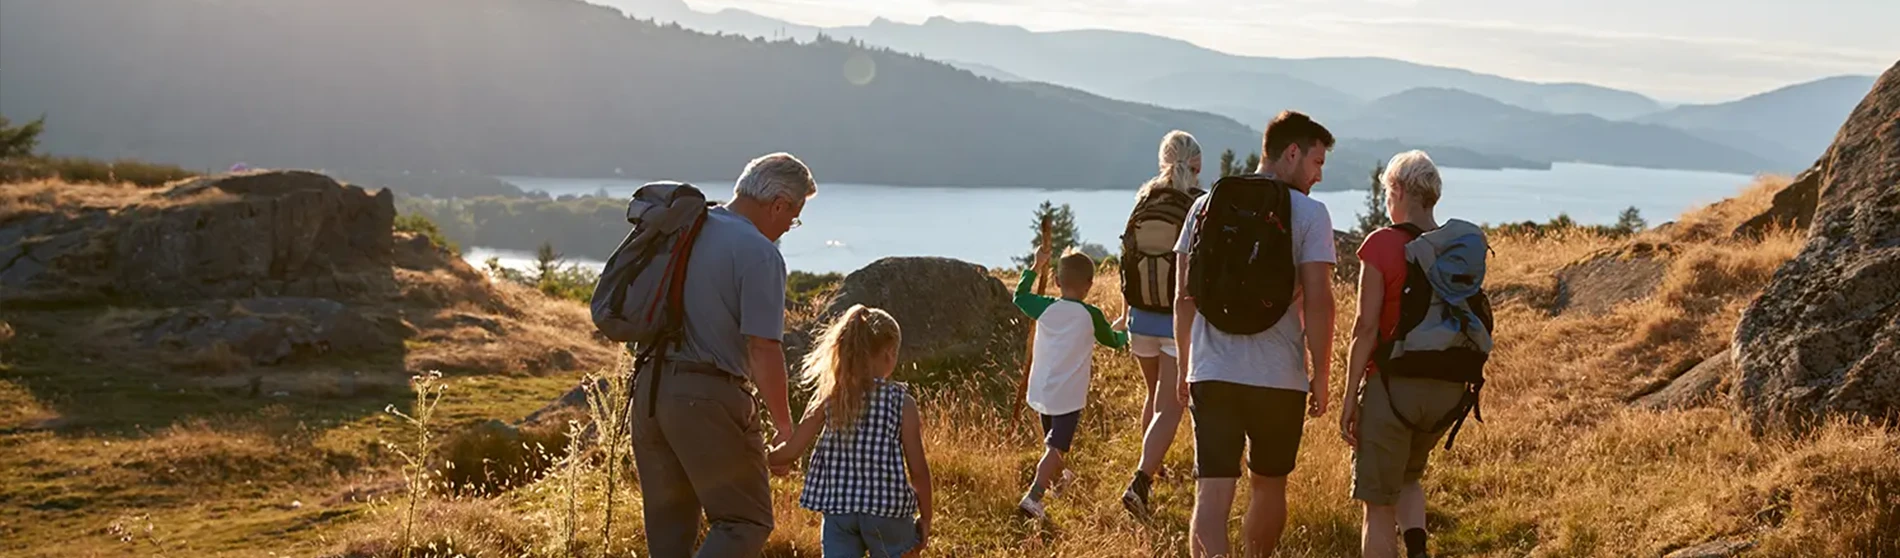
1445	322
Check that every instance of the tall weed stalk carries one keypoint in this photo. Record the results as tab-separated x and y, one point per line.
610	404
415	452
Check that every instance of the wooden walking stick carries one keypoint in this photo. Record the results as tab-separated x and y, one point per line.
1029	348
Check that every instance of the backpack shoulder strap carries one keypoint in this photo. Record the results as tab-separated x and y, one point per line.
1409	229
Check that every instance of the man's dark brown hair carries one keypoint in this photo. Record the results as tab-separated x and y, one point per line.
1293	128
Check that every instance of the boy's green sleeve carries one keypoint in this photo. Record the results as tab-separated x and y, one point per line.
1105	333
1031	303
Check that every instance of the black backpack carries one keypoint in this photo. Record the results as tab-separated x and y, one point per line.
1240	264
1147	258
1459	363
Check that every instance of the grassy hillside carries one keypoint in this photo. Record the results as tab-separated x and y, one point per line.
105	456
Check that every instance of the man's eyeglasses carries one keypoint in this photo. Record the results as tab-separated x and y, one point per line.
796	223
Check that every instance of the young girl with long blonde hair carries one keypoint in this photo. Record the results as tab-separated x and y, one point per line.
868	475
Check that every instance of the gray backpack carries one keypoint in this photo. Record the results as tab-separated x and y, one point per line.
1445	320
638	298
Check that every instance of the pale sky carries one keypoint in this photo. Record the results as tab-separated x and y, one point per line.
1673	50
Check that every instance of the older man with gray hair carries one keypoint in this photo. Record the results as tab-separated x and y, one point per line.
698	444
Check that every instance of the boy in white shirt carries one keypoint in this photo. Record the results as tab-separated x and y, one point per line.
1067	330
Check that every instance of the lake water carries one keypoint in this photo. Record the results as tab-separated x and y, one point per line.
850	225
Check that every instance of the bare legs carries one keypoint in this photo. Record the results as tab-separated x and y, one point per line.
1265	521
1380	536
1161	415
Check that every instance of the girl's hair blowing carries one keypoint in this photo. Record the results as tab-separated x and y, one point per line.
839	367
1178	150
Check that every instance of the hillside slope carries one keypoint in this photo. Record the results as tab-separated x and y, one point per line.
541	87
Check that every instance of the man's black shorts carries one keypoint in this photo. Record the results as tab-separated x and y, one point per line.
1229	417
1058	431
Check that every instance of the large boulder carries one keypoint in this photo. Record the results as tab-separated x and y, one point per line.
1823	340
1700	386
954	315
271	233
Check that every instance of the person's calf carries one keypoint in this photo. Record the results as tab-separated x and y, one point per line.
1266	515
1207	530
1411	518
1378	532
1048	469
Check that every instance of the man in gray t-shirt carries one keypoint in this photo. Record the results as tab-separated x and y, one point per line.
696	436
1251	392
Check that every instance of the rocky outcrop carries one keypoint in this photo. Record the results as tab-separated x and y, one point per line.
277	233
1606	279
1715	549
953	313
1792	208
1700	386
266	331
1823	340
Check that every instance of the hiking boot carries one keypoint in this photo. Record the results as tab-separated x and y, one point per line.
1135	500
1415	543
1032	508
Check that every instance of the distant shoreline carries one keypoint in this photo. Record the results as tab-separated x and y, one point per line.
517	181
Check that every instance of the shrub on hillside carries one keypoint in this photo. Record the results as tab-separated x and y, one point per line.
420	224
1629	222
20	141
803	287
584	227
84	170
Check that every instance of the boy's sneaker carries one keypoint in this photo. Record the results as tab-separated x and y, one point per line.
1032	508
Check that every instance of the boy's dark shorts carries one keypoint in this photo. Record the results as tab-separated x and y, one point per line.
1058	431
1229	417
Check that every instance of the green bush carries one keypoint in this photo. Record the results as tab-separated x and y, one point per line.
1628	223
420	224
571	282
803	287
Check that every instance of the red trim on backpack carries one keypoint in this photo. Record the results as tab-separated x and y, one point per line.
676	269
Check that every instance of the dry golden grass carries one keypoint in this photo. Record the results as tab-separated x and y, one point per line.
1718	220
1561	468
54	196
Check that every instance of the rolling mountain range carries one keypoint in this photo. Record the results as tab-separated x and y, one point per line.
1783	125
563	88
558	88
1778	131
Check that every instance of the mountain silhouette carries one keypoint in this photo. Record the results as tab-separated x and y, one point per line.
1118	64
1453	117
556	88
1790	126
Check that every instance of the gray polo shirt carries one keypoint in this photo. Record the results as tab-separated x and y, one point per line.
735	288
